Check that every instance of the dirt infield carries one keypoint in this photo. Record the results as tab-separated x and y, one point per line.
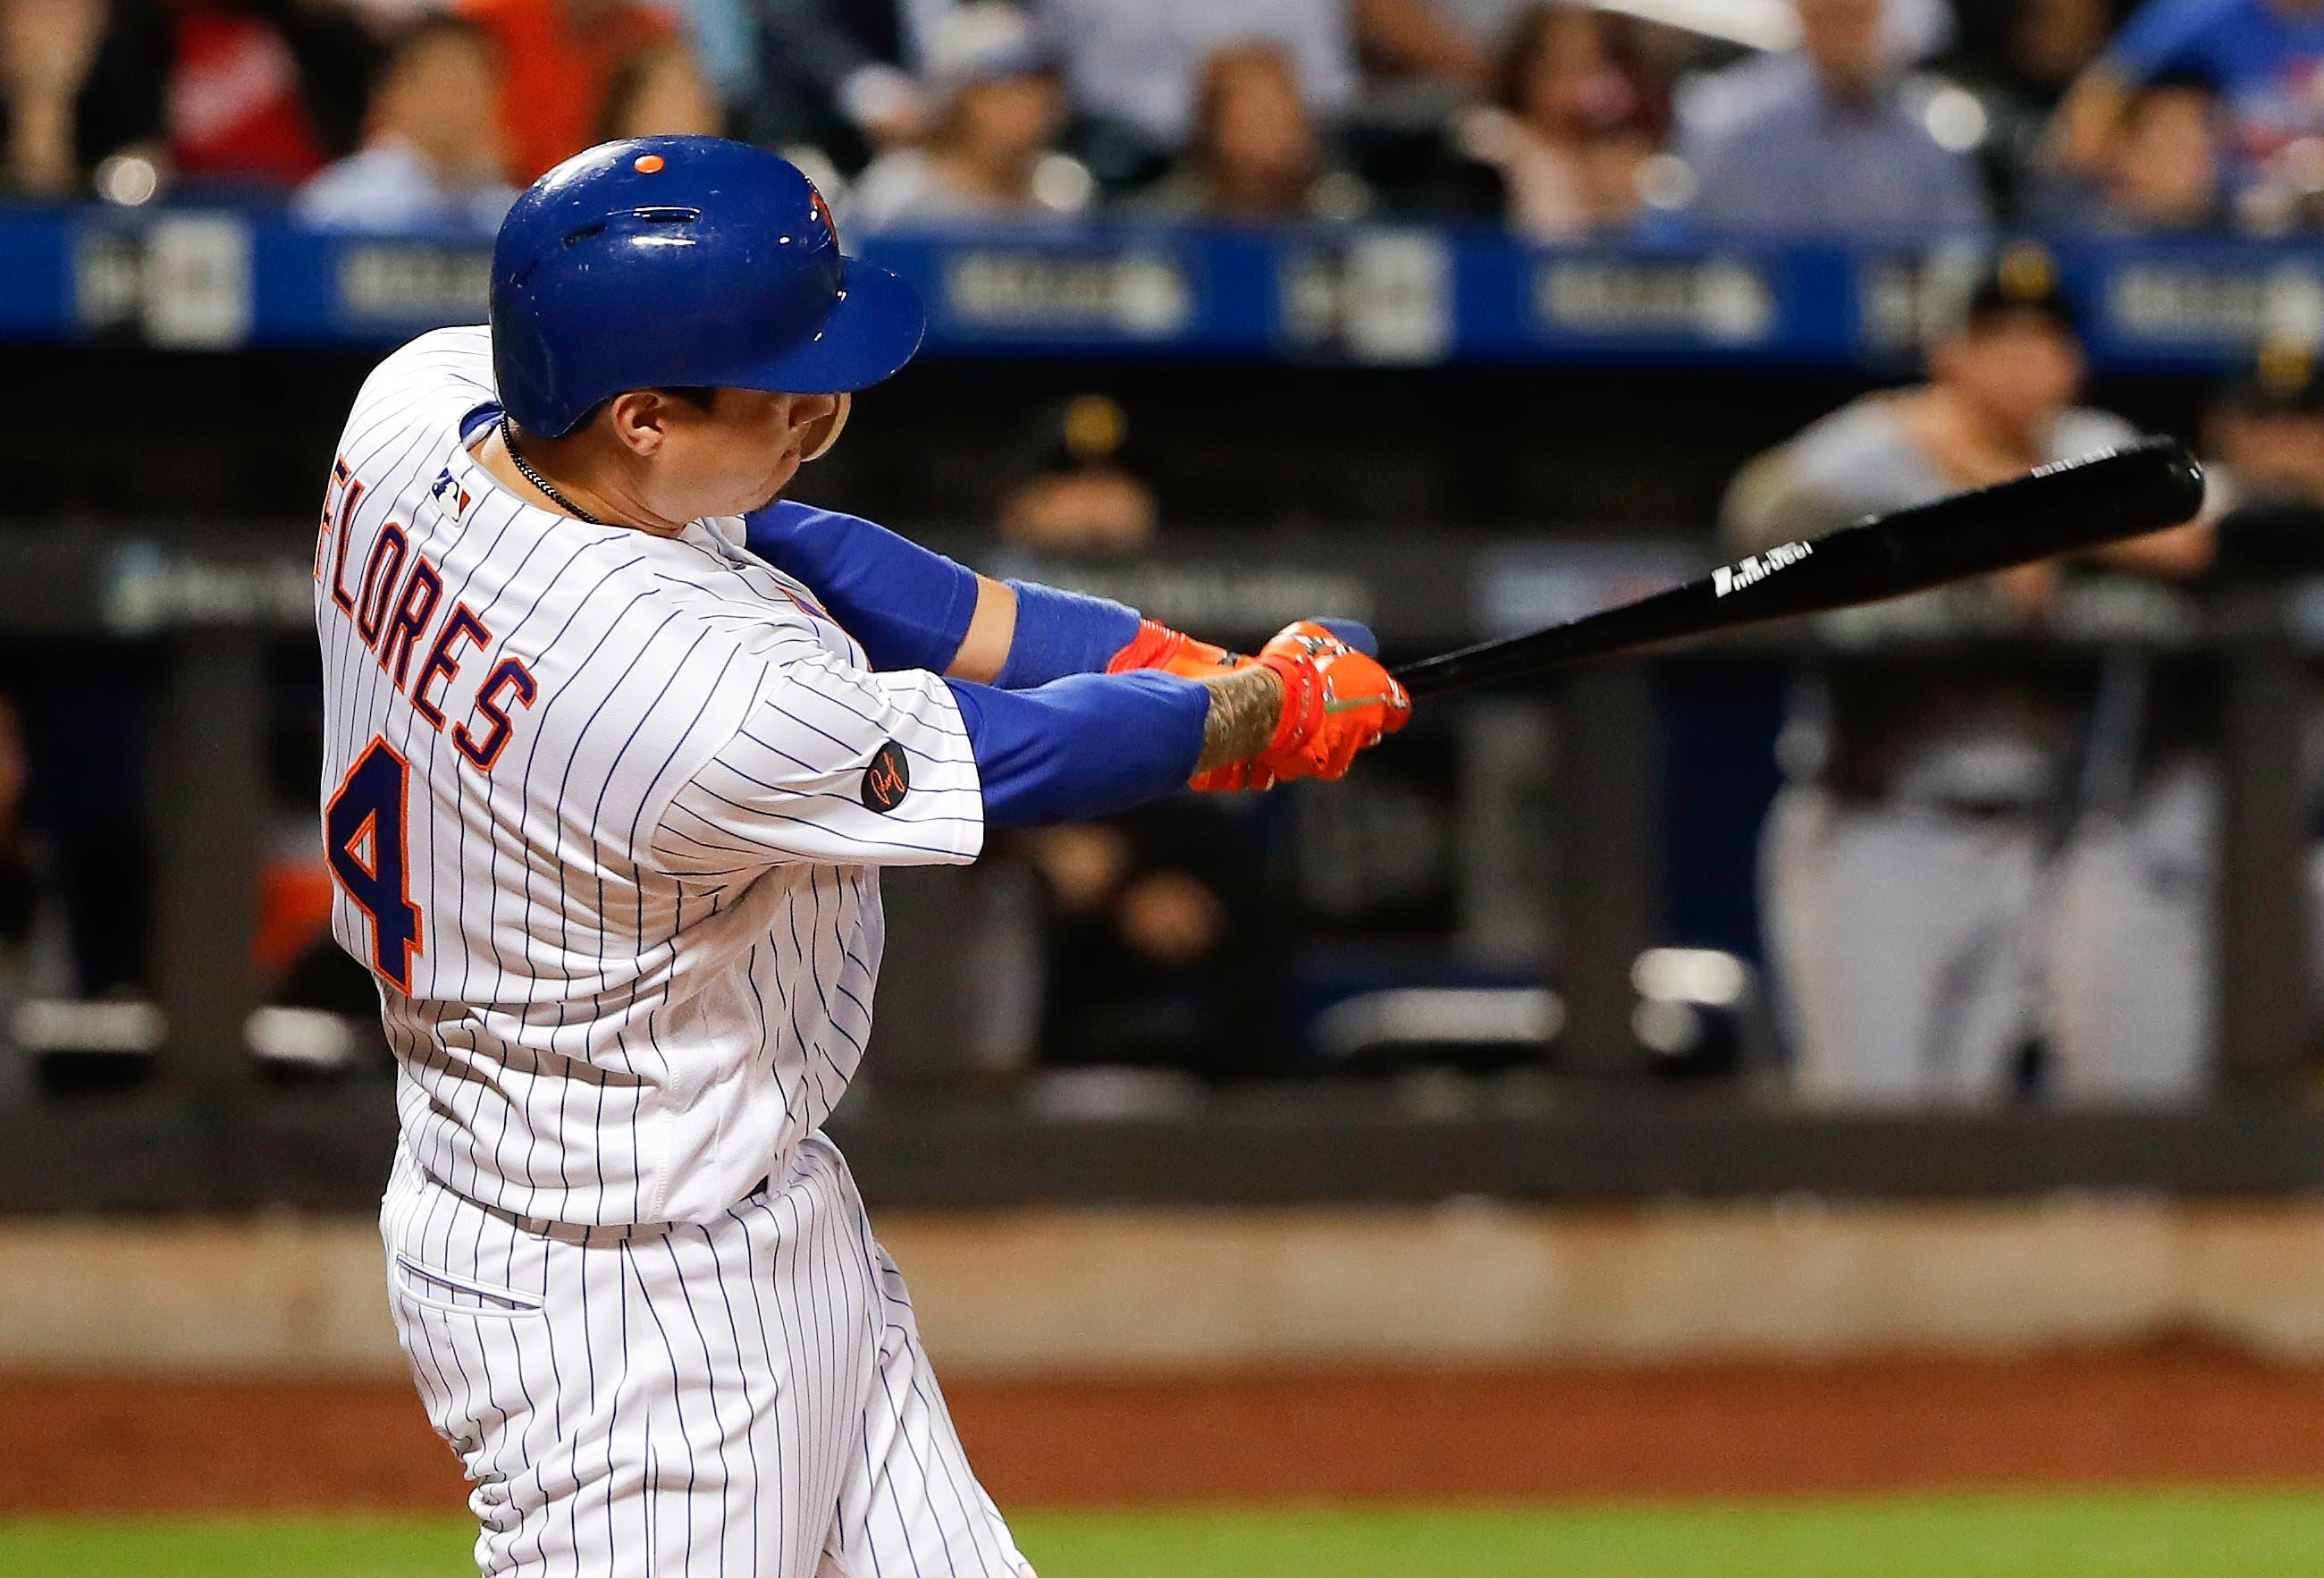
2165	1415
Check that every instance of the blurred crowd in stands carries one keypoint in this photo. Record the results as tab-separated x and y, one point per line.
1564	121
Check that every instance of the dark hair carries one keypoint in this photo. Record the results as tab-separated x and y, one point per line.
700	396
1528	37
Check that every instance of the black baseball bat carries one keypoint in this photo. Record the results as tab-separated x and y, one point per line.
2059	509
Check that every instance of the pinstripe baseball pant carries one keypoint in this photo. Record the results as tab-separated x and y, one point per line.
742	1397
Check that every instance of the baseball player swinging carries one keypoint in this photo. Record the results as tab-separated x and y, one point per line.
614	748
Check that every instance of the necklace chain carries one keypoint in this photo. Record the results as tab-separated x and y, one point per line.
508	439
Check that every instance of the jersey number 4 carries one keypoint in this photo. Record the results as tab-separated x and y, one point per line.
364	834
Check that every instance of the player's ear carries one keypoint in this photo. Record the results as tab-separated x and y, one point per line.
638	420
824	432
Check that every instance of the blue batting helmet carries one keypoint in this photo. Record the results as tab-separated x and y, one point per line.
662	260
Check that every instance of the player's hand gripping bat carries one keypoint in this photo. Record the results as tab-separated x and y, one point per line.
2062	509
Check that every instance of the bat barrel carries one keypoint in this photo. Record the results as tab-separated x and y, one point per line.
2063	509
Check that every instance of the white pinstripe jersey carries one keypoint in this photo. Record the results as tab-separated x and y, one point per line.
604	811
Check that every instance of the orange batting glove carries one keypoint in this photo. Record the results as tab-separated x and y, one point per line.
1337	702
1173	651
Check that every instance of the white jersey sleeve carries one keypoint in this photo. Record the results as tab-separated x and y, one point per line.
834	765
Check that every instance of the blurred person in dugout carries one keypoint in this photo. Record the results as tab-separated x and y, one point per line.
991	150
2151	801
1915	864
1151	926
2264	440
432	150
2141	876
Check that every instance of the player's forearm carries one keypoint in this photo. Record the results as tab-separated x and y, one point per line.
1246	708
1083	746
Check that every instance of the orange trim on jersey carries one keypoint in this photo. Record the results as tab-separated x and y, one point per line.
350	492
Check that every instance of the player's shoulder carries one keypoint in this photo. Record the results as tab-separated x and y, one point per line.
2086	431
710	579
442	368
1863	432
774	523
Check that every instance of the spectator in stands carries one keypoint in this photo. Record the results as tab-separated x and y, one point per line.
1255	154
240	92
1828	139
2161	170
2019	56
843	75
1907	867
61	111
659	91
263	92
561	55
2263	57
432	155
1132	69
992	151
1575	118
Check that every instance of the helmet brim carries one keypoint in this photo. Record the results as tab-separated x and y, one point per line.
873	329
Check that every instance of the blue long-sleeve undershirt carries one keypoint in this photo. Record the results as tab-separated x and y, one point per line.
909	608
1083	746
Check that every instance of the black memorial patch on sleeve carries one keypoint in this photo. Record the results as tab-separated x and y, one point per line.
887	780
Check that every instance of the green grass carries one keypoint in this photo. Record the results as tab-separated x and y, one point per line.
2110	1534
